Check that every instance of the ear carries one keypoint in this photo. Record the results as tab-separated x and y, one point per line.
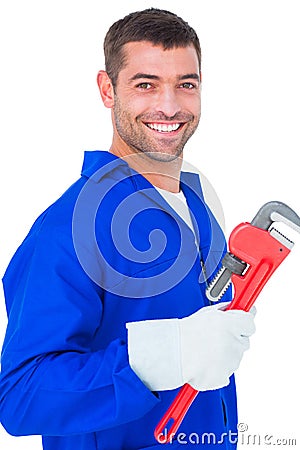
106	89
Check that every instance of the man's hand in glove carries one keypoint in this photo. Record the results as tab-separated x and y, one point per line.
203	349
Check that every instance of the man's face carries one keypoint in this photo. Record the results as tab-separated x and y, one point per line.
157	101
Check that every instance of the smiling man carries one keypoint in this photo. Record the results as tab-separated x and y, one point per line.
156	110
106	295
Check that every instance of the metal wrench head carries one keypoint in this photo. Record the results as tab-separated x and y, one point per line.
276	212
268	214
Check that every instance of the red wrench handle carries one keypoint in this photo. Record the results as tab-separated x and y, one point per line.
263	254
169	424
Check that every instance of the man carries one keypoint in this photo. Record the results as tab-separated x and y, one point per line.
106	296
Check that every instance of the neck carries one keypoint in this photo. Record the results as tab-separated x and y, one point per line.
162	174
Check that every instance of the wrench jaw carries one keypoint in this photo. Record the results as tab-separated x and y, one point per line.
222	280
276	212
281	238
219	285
293	224
268	214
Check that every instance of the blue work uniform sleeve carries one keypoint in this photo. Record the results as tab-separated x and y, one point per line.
56	379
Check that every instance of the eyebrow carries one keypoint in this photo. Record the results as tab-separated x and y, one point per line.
137	76
149	76
193	76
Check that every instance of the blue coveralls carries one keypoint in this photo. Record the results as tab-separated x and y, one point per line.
109	251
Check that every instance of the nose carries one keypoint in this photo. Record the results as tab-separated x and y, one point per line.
168	102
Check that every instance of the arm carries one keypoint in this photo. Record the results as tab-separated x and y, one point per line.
57	379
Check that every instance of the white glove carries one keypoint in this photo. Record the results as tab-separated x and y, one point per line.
203	349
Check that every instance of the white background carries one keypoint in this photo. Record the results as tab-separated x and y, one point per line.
247	145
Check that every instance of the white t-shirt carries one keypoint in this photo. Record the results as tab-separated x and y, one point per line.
178	202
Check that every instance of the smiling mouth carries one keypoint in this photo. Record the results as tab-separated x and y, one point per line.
164	127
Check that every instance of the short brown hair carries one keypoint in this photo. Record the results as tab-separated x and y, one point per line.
154	25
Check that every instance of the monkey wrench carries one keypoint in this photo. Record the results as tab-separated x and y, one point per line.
256	249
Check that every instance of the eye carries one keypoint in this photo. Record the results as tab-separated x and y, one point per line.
188	85
144	86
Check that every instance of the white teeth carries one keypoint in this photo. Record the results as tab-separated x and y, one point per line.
163	128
